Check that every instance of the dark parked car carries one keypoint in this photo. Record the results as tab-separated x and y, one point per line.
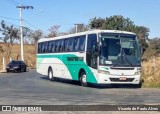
16	66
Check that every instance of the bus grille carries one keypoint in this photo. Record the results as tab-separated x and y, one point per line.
122	68
118	80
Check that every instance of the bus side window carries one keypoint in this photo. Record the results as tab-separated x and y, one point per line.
76	44
52	47
61	46
57	46
71	44
49	46
39	47
91	60
82	43
46	47
43	47
66	48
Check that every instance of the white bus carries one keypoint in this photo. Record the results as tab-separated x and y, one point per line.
97	56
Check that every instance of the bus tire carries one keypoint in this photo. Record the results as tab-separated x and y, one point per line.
83	79
50	74
139	85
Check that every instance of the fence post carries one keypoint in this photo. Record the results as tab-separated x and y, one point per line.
4	63
10	59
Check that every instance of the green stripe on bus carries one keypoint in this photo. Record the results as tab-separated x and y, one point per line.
105	68
39	60
73	66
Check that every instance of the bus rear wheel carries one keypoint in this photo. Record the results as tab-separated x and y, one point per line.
83	79
50	74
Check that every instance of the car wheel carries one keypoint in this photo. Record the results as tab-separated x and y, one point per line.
25	69
138	85
50	74
19	70
83	79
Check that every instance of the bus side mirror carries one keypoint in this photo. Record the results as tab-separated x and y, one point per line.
95	49
98	47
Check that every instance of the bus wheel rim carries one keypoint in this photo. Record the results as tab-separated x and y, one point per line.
84	78
50	75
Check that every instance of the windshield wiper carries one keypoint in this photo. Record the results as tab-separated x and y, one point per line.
115	65
126	58
122	58
118	59
128	61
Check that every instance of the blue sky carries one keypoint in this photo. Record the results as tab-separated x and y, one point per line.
66	13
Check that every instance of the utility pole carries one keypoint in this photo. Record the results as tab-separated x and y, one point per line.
21	27
78	24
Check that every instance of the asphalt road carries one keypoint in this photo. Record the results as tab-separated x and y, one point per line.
31	88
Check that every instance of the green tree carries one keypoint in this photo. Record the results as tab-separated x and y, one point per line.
142	32
97	23
153	48
144	44
118	22
27	35
53	31
155	45
35	36
10	33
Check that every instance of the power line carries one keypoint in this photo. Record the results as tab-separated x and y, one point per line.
11	23
13	2
18	25
18	20
9	18
30	24
37	12
27	22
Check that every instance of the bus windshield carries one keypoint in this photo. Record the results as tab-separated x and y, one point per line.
119	50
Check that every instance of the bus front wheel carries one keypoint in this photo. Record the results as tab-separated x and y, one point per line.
83	79
138	85
50	74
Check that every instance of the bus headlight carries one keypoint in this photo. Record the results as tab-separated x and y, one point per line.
137	73
139	69
103	72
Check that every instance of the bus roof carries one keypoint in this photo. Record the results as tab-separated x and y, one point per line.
84	33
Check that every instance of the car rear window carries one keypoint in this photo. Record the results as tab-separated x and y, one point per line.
15	62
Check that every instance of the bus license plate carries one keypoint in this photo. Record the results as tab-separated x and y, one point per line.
122	78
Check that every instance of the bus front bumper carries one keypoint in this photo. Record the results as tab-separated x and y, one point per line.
117	79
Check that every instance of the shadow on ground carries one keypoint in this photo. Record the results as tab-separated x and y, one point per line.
98	86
